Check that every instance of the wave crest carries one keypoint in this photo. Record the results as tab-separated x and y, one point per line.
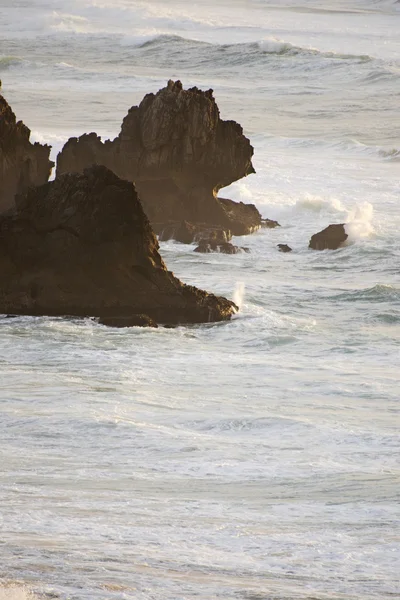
9	61
378	293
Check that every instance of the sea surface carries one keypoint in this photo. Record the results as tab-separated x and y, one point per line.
250	460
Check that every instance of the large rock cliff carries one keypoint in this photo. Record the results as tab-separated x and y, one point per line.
82	245
179	153
22	164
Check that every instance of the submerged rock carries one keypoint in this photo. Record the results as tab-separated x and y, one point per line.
269	224
22	164
206	246
284	248
179	153
81	245
330	238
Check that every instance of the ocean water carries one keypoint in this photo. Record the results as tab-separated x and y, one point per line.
250	460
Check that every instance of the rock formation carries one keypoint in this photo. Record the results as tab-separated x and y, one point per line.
269	224
284	248
179	153
329	238
22	164
207	246
82	245
186	233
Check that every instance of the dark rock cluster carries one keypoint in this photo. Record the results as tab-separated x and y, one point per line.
330	238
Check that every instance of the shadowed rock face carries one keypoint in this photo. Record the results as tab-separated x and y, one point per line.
330	238
179	153
82	245
22	164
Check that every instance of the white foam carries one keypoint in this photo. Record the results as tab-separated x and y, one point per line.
238	294
16	592
274	46
359	224
320	204
65	22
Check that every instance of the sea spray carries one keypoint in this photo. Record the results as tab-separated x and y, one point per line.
238	294
359	223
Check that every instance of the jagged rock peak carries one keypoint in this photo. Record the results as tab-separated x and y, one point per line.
22	164
179	153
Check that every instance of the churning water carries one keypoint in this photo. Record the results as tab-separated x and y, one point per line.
256	459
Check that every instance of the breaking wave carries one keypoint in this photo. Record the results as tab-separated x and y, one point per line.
9	61
261	48
378	293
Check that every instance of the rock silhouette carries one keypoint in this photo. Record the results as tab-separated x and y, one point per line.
82	245
22	164
284	248
329	238
179	153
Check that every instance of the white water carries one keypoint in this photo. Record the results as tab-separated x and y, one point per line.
254	459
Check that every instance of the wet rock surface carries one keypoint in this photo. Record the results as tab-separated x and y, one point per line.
82	246
284	248
269	224
187	233
206	246
330	238
22	164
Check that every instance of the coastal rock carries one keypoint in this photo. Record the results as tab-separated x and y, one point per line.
22	164
243	218
284	248
186	233
132	321
269	224
81	245
206	246
179	153
330	238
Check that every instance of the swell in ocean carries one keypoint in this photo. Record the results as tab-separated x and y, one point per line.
250	459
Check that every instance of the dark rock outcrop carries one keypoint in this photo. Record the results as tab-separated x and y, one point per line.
22	164
243	218
269	224
82	245
284	248
186	233
330	238
179	154
206	246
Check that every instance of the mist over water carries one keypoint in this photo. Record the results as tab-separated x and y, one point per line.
253	459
